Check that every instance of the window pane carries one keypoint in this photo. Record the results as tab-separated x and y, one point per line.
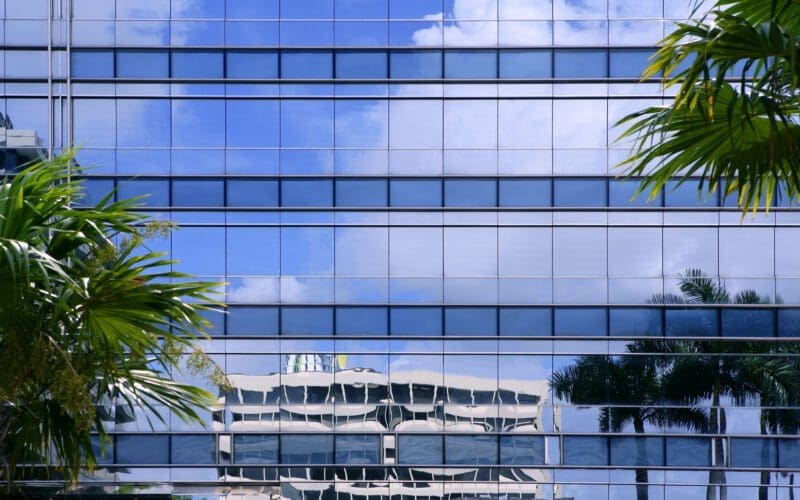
584	450
686	194
142	64
317	64
470	321
416	192
414	449
416	321
252	123
789	322
307	251
688	452
470	64
307	193
197	64
692	323
252	193
635	322
358	449
307	449
581	64
95	190
252	320
415	64
521	450
470	193
352	64
580	192
748	323
622	193
253	251
754	452
629	63
307	321
362	321
789	453
142	449
155	190
526	64
198	193
477	450
575	321
93	64
633	451
361	193
525	193
193	449
526	321
255	449
251	64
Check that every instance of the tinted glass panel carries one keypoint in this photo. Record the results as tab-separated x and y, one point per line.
252	320
470	193
789	453
476	449
692	323
526	64
93	64
686	194
754	452
197	64
306	449
629	63
623	193
361	193
526	321
525	193
416	321
688	452
413	449
362	64
470	64
307	321
307	193
416	192
252	193
789	323
521	450
362	321
193	449
358	449
631	451
198	193
415	64
584	450
251	64
95	190
142	64
155	191
470	321
142	449
255	449
581	64
636	322
580	192
574	321
307	64
748	323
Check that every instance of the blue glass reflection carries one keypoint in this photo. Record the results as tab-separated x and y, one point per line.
362	321
307	321
525	193
142	64
577	321
526	64
470	193
361	193
351	64
423	321
310	64
307	193
470	64
588	63
252	193
580	193
415	64
92	64
470	321
415	192
197	64
526	321
251	64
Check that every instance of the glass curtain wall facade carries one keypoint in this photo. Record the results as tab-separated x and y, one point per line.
436	285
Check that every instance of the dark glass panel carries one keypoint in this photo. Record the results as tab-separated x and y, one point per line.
789	322
688	452
622	193
415	192
312	64
470	450
629	63
748	323
92	64
640	322
142	449
198	193
252	320
307	321
252	193
521	450
415	64
197	64
193	449
692	323
637	451
580	321
470	64
470	321
584	450
142	64
356	449
307	193
306	449
418	449
416	321
754	452
362	321
361	193
526	321
686	194
95	190
216	320
525	193
255	449
580	193
789	453
251	64
526	64
585	63
361	64
470	193
156	191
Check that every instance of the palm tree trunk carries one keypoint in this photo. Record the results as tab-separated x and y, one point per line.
716	476
642	486
763	489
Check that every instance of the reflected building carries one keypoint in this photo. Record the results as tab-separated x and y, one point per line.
436	285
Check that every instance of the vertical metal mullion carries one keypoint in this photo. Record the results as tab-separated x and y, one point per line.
50	114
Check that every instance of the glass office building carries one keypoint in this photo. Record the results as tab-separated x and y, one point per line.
436	285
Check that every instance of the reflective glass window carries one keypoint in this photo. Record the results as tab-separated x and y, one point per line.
252	123
361	193
748	323
196	123
198	193
361	9
307	251
251	64
306	449
580	321
307	193
95	190
415	192
470	321
521	450
526	64
200	250
416	321
635	322
143	123
252	320
362	321
754	452
252	193
469	64
581	63
216	321
253	251
584	450
311	64
306	124
692	323
308	9
688	452
637	451
92	64
361	64
686	194
525	193
623	193
143	9
142	449
155	191
197	64
789	322
472	450
418	449
415	64
251	9
307	321
358	449
580	192
526	321
95	122
255	449
193	449
789	453
628	63
470	192
142	64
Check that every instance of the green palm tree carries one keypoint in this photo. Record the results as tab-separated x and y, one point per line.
84	321
733	121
